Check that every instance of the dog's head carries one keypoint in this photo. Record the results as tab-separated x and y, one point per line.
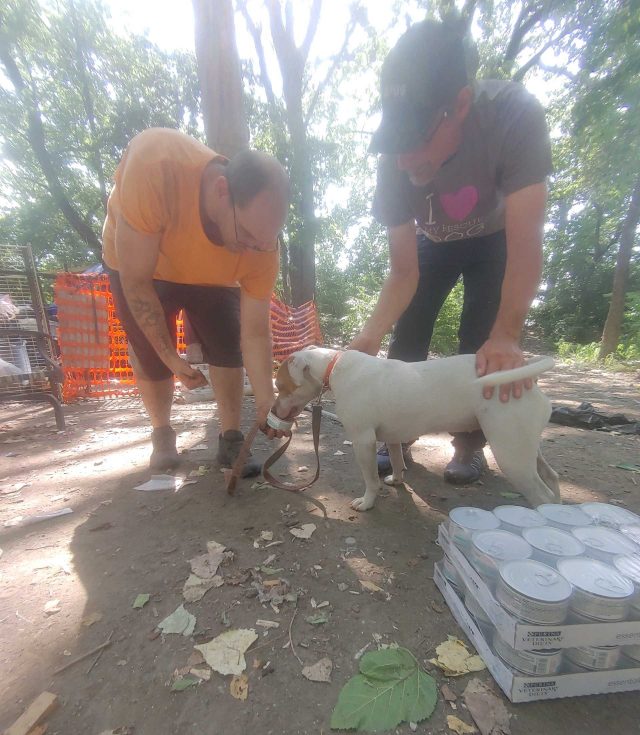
299	380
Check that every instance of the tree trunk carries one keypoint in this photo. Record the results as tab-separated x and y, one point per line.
225	123
613	325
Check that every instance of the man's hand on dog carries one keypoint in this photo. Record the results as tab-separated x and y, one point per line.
501	353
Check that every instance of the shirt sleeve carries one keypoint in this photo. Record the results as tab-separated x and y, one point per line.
391	201
260	277
525	157
142	188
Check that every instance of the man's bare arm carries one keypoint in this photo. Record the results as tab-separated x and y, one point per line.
137	257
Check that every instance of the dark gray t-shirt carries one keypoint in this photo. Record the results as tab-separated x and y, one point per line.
505	147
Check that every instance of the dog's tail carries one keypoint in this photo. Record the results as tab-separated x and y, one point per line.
531	369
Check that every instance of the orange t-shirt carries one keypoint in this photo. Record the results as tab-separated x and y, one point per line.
157	190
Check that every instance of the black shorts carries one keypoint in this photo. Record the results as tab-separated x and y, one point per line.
214	313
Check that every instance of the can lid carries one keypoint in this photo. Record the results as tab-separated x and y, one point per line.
535	580
567	515
516	515
553	541
591	575
475	519
609	514
629	566
501	545
604	539
632	532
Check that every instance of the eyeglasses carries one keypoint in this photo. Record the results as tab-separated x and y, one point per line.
435	127
259	247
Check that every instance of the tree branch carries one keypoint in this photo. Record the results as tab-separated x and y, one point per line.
256	33
535	59
521	28
314	17
336	60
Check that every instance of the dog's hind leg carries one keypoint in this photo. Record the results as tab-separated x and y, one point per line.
364	447
397	465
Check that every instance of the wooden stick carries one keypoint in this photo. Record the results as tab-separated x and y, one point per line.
97	658
85	655
293	650
42	706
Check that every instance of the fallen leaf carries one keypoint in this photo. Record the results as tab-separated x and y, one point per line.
320	671
448	693
305	531
141	600
185	682
195	588
225	653
339	453
458	726
370	586
266	535
239	687
204	674
94	617
391	688
180	622
454	658
488	712
318	619
206	565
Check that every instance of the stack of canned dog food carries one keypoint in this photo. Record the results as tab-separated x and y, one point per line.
555	565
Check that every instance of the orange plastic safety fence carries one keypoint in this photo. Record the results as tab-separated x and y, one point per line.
93	344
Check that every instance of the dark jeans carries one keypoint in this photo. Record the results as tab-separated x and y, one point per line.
481	263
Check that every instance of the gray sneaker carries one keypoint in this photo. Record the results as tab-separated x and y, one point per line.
465	467
164	455
229	446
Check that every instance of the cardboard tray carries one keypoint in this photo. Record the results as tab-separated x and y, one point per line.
524	636
522	688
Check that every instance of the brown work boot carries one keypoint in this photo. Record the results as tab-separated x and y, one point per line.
229	446
164	455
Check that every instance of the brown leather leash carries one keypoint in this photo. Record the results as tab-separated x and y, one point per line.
316	419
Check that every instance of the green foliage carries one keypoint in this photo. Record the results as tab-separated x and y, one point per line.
390	689
67	55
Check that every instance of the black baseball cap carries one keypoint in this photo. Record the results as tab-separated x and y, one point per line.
421	75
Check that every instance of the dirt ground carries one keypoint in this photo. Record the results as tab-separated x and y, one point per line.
120	542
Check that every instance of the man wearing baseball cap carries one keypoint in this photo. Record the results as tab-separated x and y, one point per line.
461	188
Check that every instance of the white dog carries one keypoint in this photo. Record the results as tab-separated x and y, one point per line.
393	402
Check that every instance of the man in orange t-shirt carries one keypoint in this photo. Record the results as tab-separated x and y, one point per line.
189	229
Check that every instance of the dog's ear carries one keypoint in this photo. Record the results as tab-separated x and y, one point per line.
298	367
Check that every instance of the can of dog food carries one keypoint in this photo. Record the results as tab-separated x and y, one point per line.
451	573
278	424
550	544
633	533
606	514
564	517
533	592
629	566
599	591
489	548
533	663
603	543
465	520
515	518
632	653
594	658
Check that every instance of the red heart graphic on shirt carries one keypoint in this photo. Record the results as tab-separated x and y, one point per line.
460	204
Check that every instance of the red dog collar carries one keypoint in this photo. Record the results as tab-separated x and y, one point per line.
329	370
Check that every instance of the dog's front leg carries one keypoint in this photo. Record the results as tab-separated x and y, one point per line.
365	451
397	465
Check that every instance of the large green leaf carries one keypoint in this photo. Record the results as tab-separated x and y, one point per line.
390	689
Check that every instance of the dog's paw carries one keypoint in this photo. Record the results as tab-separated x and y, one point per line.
363	503
393	480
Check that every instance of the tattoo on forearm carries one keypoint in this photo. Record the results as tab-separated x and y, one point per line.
152	322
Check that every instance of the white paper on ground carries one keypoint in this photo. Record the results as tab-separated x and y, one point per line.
161	482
